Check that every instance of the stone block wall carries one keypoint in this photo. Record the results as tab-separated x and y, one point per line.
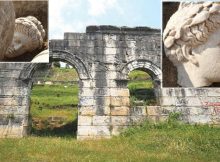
14	101
103	58
201	105
104	106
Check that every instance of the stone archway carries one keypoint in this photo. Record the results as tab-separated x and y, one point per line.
58	55
26	76
145	65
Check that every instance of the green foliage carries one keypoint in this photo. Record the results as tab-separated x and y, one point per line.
174	117
138	75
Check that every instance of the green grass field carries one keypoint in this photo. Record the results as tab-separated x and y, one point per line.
52	141
54	101
149	142
62	74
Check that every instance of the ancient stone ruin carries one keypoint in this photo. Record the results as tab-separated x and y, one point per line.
103	58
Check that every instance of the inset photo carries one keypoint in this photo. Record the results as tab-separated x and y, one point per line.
191	44
24	31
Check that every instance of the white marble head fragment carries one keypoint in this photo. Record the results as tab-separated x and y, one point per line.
28	36
192	42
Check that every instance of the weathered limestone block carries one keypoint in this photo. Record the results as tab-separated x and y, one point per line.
167	101
10	73
120	111
74	43
11	131
14	91
7	19
215	119
75	36
135	120
102	91
200	119
87	101
110	52
153	110
188	92
119	101
93	131
120	120
87	92
138	111
108	74
87	110
92	110
14	101
101	120
84	120
120	92
200	111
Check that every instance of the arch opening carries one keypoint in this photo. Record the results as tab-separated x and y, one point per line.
54	101
141	87
153	74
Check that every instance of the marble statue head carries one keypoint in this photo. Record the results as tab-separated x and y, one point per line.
28	36
192	42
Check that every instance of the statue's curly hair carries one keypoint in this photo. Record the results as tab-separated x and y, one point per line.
31	27
189	27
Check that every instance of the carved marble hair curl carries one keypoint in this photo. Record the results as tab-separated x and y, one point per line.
33	29
190	27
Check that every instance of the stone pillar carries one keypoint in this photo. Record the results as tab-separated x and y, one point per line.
14	101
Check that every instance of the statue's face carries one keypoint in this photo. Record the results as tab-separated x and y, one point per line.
19	46
208	56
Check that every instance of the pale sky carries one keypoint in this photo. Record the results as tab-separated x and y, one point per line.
75	15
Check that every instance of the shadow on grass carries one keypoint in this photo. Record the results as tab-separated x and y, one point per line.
66	130
145	94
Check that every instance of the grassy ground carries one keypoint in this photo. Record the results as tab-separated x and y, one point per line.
149	142
54	110
141	88
62	74
53	96
51	141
